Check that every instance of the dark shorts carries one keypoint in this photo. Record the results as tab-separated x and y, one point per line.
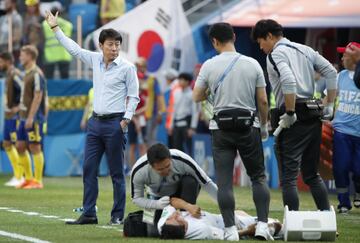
10	129
33	135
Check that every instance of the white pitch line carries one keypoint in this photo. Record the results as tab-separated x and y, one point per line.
66	220
15	211
53	217
32	213
22	237
49	216
110	227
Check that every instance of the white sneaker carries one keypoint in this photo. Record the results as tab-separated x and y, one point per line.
356	201
262	231
231	233
344	210
14	182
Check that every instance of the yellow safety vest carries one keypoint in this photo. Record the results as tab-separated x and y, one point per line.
53	51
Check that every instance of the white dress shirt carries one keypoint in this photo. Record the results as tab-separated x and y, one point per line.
112	85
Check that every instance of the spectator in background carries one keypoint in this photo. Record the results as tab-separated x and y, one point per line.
137	126
186	115
111	9
156	103
171	84
17	28
354	52
2	7
55	54
346	147
33	34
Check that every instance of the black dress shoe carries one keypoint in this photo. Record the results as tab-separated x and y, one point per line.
116	221
83	220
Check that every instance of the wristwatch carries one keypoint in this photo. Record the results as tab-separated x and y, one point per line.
290	113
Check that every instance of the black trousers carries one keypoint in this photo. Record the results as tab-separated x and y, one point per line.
64	68
298	149
180	138
188	191
225	145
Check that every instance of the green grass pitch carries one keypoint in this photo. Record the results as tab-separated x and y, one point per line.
61	195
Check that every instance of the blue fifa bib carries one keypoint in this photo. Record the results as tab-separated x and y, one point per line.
347	116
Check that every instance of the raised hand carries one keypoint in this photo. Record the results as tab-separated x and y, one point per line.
51	19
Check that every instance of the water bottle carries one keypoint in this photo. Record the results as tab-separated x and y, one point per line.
81	209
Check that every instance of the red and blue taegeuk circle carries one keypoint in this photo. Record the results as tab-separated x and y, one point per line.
151	47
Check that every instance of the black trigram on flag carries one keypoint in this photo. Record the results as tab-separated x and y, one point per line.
175	64
163	18
125	41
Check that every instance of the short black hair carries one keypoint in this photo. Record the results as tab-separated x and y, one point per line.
222	32
265	26
186	76
7	56
170	231
157	152
106	34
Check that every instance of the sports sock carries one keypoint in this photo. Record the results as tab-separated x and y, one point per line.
38	166
25	160
14	160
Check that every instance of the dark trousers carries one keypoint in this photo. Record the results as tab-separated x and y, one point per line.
64	68
180	137
298	148
188	191
104	136
225	144
346	159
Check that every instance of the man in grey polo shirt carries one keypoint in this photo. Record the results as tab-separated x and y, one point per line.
236	82
291	68
166	173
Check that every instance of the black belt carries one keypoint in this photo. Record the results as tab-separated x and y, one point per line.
107	116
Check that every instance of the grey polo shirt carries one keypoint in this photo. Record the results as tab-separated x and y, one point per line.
142	176
292	70
238	90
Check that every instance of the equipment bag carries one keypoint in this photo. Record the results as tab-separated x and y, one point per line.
309	109
134	225
234	119
305	109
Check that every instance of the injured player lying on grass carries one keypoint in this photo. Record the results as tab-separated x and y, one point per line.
197	224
